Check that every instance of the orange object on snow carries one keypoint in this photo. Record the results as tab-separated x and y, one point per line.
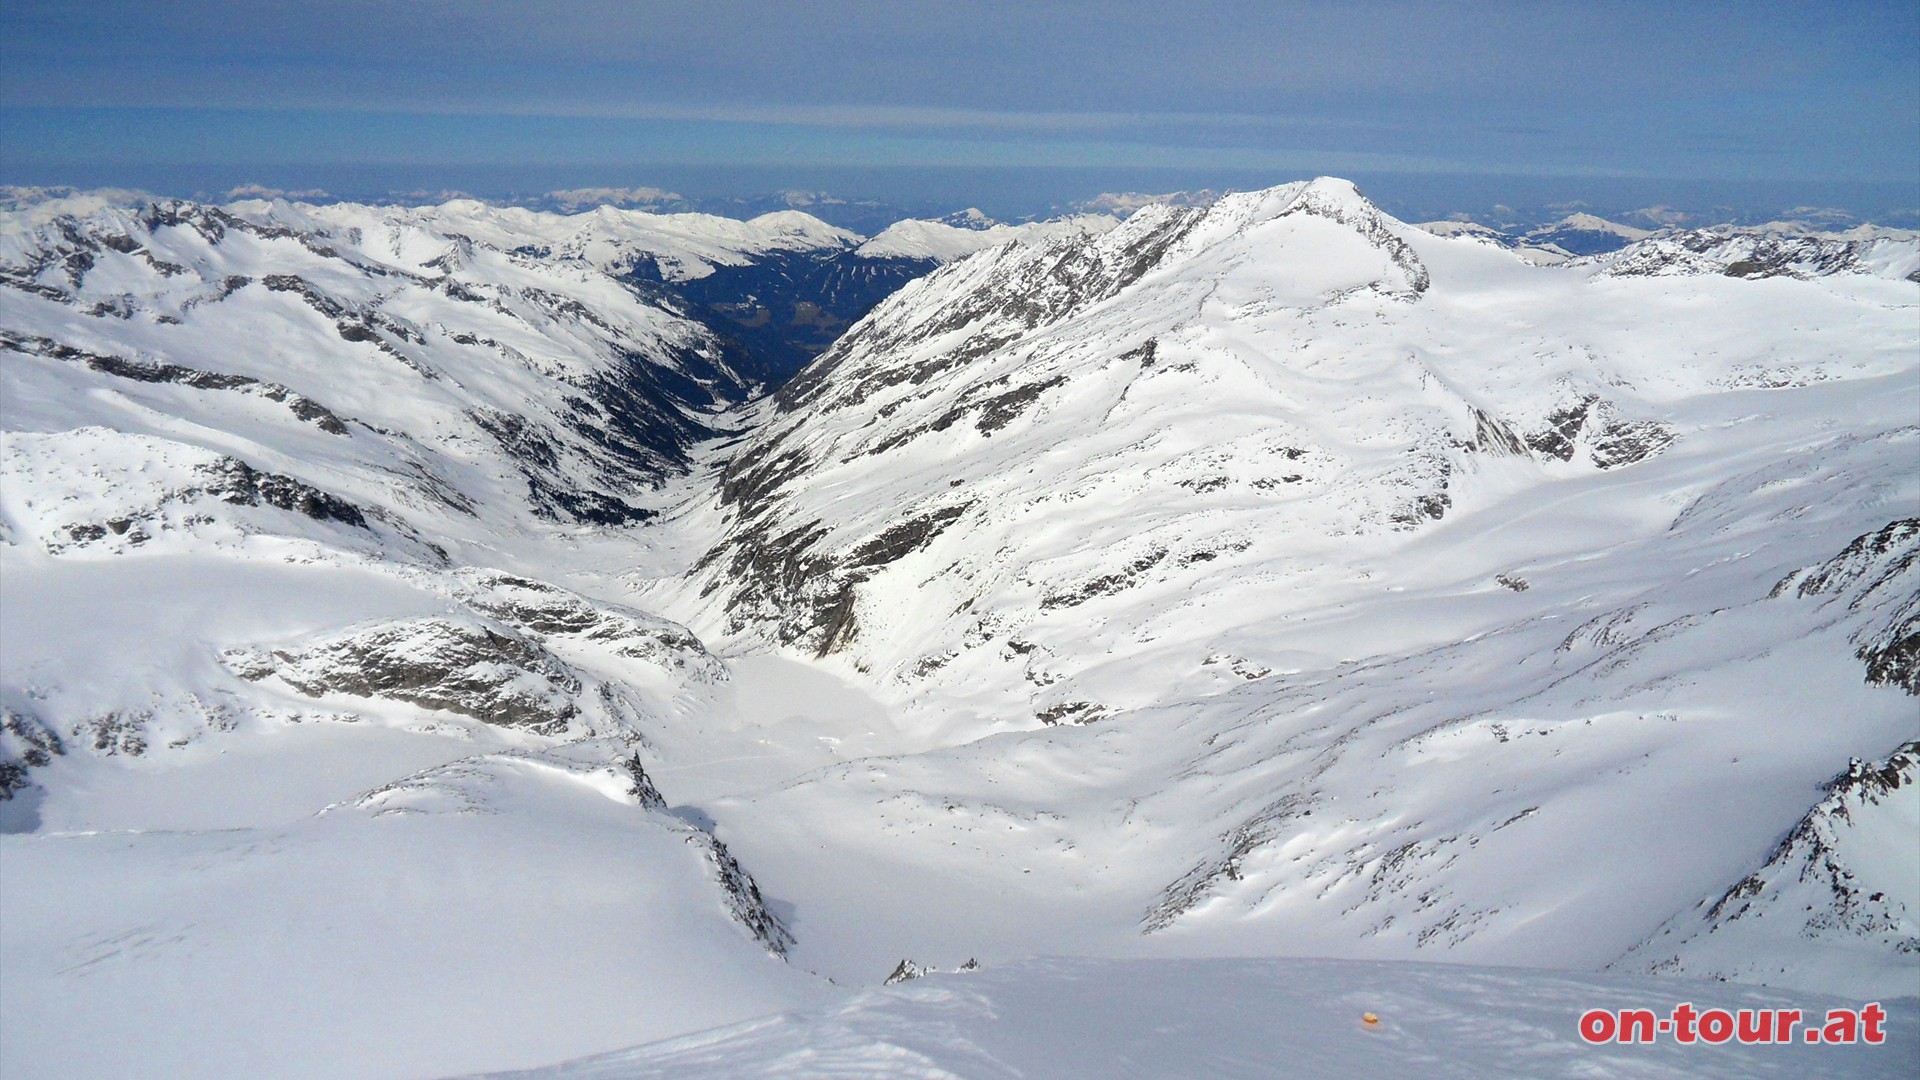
1369	1019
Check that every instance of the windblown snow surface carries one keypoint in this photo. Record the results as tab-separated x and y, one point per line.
1099	1019
428	650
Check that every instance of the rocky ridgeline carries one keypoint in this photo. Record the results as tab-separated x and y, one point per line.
1103	357
1839	884
1876	575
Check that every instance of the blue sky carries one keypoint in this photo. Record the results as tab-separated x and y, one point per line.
1791	99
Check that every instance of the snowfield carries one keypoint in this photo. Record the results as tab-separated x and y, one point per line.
431	645
1240	1018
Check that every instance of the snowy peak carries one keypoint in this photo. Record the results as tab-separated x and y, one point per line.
1338	241
1583	234
1127	336
672	247
796	230
1584	222
970	218
944	240
1124	204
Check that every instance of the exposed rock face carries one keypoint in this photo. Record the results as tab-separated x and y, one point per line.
1875	575
25	744
470	669
906	971
1609	440
743	896
96	490
524	654
546	612
234	481
1182	895
1845	877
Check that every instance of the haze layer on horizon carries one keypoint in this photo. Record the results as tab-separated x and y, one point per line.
1435	107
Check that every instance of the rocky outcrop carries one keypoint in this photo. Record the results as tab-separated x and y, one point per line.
1876	575
92	489
234	481
547	613
744	901
1840	883
25	744
487	783
906	970
471	669
1589	425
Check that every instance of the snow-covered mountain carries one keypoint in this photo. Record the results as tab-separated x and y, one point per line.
1314	523
1772	252
428	648
937	242
425	360
782	285
1585	234
286	737
1124	203
1813	246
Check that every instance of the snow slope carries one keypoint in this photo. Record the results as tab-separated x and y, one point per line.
302	774
423	653
504	907
678	247
941	242
1278	577
1245	1018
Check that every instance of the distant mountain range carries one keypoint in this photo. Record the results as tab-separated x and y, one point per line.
1578	228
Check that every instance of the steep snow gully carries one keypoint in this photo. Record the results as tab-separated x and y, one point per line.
451	639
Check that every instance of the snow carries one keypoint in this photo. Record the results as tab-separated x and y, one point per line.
1584	222
533	919
684	245
1260	580
943	243
1318	719
1244	1018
